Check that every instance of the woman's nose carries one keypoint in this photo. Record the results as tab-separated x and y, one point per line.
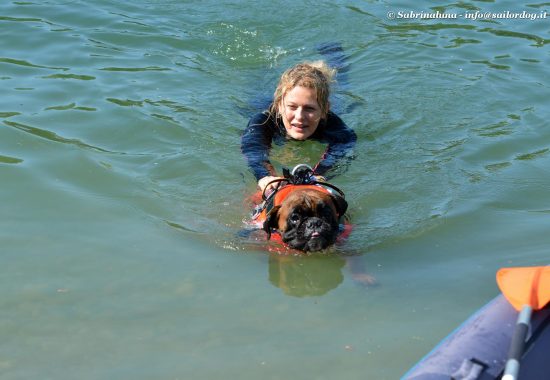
299	113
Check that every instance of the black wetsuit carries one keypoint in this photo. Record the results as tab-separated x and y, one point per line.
263	129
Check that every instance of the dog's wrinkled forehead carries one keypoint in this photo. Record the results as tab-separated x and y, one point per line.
304	201
307	202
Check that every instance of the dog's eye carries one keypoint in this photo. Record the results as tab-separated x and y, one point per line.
294	218
325	211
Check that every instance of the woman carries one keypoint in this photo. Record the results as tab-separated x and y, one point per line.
300	111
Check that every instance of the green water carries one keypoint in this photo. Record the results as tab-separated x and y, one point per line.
122	185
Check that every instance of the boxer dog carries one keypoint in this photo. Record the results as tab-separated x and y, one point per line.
304	212
308	217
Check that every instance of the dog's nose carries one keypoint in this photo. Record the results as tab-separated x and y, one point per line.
314	223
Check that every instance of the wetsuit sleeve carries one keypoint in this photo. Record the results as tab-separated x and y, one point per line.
339	153
256	144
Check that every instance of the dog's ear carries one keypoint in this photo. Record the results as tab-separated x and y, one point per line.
340	203
271	221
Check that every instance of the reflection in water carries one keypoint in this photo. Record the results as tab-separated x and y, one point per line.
316	274
302	276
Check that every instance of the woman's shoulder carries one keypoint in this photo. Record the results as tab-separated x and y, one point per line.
260	118
262	125
334	119
336	130
335	123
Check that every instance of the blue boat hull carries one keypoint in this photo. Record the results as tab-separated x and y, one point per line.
478	349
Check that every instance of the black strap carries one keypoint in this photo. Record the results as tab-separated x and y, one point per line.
276	180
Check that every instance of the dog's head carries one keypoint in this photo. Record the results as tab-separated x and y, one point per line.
307	219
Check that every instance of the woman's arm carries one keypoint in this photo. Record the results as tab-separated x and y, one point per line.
256	144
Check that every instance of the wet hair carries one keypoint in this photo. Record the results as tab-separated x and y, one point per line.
315	75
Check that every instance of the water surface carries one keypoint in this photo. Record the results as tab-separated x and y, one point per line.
123	185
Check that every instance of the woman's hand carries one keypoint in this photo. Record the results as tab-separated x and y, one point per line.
265	182
319	178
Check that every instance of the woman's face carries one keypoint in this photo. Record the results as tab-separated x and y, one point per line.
300	112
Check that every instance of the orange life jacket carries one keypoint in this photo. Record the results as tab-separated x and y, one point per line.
277	199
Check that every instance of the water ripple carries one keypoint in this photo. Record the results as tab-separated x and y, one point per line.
493	65
69	76
532	155
539	41
10	160
459	42
48	135
136	69
71	106
431	27
427	27
501	128
174	106
5	115
20	19
20	62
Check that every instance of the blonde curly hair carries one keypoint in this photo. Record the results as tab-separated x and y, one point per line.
315	75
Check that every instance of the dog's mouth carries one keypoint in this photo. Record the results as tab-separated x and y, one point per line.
318	243
315	235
